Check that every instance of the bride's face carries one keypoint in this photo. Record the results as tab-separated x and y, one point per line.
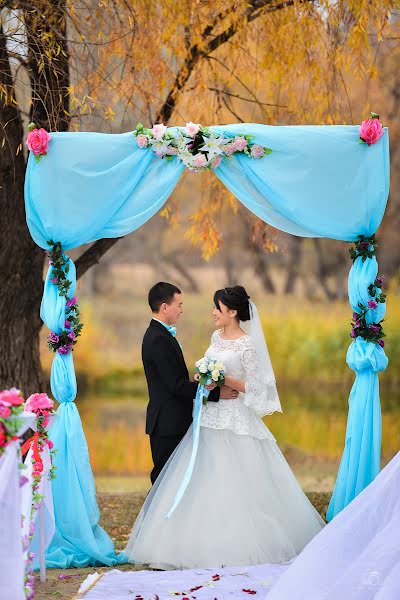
223	316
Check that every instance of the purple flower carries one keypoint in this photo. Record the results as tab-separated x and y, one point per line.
372	304
54	280
71	335
364	245
357	324
67	324
355	316
63	350
353	333
50	261
31	529
54	338
374	328
71	301
381	343
379	280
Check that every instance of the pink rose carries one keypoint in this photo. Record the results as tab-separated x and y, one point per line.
11	397
50	444
38	467
158	131
257	151
216	162
229	149
38	141
240	143
191	129
371	131
142	140
199	160
38	402
4	411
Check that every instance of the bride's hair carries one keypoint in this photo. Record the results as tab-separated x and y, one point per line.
235	298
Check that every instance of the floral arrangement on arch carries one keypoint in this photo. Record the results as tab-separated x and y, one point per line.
371	130
365	247
43	407
38	141
198	147
64	341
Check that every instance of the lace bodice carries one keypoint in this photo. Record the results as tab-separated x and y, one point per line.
242	415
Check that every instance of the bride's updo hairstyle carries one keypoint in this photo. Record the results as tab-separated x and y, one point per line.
235	298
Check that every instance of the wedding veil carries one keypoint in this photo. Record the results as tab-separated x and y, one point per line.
253	328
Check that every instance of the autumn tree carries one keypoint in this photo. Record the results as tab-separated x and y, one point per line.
98	65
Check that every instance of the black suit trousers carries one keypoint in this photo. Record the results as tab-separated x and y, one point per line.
162	446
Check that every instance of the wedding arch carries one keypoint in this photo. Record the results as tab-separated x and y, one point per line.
310	181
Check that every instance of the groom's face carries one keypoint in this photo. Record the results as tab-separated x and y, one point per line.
171	312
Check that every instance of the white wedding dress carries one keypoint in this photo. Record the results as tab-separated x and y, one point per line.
243	505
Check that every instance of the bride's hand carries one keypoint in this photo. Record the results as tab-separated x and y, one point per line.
196	377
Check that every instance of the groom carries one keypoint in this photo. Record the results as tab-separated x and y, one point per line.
171	393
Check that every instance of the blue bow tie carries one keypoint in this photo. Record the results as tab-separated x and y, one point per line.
171	329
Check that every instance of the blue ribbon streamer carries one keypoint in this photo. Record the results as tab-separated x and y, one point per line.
201	393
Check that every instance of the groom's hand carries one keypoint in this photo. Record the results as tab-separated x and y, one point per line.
228	393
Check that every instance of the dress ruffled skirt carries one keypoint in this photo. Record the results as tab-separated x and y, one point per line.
243	506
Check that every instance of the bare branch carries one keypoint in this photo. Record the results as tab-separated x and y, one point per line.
93	255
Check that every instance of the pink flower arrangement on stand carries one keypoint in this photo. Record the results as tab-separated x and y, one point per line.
11	406
42	406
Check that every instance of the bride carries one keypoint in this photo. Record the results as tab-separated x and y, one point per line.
243	504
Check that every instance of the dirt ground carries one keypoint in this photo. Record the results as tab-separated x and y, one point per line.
118	512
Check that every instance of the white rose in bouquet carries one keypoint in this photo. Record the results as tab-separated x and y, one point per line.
215	375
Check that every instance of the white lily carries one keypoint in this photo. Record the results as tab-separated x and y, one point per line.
160	146
212	145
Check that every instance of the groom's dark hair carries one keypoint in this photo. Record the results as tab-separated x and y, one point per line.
162	292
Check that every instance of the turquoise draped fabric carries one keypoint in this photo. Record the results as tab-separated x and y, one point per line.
360	463
79	541
318	182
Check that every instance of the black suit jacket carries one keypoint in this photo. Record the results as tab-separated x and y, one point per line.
171	393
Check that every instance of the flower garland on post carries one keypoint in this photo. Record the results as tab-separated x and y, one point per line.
63	342
42	406
198	147
365	247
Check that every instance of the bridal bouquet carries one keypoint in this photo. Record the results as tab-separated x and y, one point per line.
210	370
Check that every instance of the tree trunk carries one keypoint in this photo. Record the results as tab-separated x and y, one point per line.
293	264
21	261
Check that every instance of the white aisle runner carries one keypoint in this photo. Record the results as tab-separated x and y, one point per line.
228	582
